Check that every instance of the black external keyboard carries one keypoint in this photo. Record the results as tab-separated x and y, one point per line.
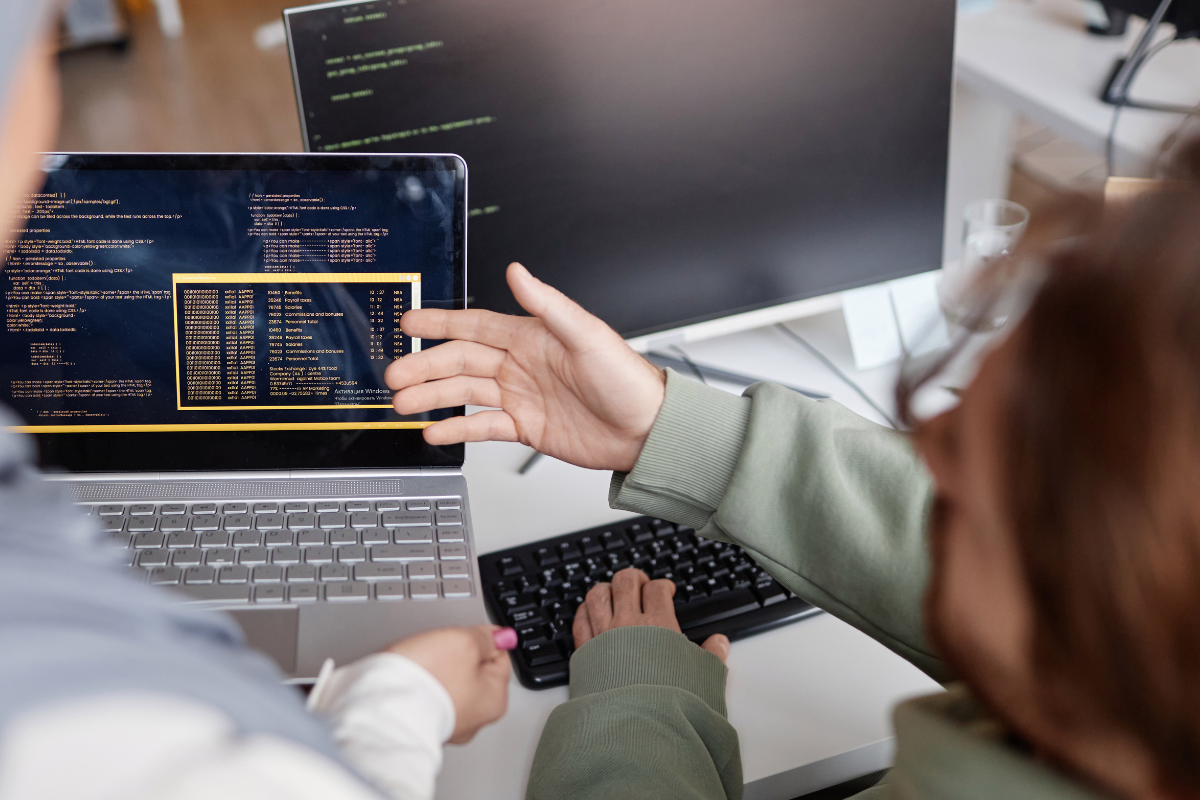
537	587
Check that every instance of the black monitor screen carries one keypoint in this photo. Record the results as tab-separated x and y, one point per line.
242	298
661	161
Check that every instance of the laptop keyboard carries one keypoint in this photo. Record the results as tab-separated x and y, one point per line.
289	551
537	587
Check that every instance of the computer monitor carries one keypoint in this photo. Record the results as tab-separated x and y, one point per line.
662	162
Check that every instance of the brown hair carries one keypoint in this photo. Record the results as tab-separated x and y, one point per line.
1101	466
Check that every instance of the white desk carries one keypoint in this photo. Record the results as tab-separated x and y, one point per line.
811	701
1034	57
1037	58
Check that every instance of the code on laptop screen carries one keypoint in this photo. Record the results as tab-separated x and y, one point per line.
159	293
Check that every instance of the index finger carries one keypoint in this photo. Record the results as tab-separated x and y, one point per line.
472	325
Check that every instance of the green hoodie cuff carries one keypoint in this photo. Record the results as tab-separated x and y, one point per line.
648	655
689	456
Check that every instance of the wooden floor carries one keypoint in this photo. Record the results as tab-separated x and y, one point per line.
212	90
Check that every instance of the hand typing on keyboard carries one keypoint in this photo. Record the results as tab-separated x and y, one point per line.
565	383
633	599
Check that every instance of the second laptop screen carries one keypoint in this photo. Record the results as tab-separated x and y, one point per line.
142	297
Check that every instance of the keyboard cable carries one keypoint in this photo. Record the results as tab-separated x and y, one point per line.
800	340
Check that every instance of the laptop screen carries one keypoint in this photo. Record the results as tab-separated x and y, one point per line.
246	303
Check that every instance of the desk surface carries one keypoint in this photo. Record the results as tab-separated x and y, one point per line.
1036	57
811	701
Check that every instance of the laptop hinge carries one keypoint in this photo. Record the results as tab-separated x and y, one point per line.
258	475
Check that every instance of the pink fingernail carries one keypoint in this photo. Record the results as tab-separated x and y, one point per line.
505	639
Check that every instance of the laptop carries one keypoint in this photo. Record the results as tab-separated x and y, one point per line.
198	344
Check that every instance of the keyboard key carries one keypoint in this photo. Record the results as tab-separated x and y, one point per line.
447	534
247	539
538	654
400	519
418	505
449	518
204	508
235	574
253	555
387	505
110	510
452	552
269	522
235	508
221	555
335	572
363	519
534	633
141	510
304	593
358	505
150	539
181	539
299	521
613	540
509	566
238	522
200	575
170	509
343	536
214	539
724	605
570	551
526	616
187	557
285	555
268	573
301	573
265	508
220	593
423	590
406	535
153	558
313	536
352	591
390	590
165	576
378	571
278	538
328	521
458	569
545	556
295	508
269	594
318	555
173	523
352	554
770	594
328	506
139	524
449	503
591	545
422	571
453	589
403	552
381	535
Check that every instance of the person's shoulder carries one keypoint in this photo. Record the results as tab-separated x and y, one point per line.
949	745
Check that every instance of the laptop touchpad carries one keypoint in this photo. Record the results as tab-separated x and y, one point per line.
272	631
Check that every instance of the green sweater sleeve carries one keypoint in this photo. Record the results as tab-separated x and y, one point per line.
833	506
646	719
